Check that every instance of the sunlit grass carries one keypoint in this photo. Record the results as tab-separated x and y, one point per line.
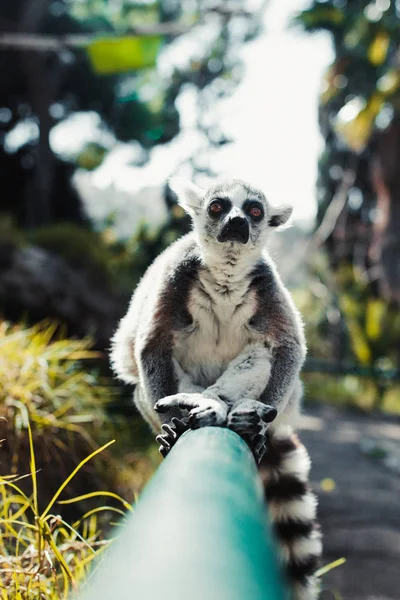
52	383
42	382
333	593
63	485
333	565
41	555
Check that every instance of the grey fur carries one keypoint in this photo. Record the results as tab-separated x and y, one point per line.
211	325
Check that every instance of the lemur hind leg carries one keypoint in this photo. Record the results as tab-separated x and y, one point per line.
292	506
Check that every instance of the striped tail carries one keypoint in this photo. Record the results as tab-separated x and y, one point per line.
292	508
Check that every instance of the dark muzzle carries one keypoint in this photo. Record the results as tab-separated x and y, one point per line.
235	230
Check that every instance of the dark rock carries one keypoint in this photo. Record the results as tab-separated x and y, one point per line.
36	285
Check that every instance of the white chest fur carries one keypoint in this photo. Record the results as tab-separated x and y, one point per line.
219	332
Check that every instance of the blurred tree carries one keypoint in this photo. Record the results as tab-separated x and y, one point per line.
58	57
360	121
38	89
119	62
359	179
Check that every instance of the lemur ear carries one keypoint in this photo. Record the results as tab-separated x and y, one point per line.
189	194
280	216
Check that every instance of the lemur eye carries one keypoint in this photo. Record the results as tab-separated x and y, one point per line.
255	211
215	207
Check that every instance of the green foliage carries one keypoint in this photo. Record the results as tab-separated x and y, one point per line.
346	325
121	17
373	323
364	78
109	55
50	384
116	264
147	243
359	118
350	391
80	247
107	69
41	554
321	15
83	78
91	156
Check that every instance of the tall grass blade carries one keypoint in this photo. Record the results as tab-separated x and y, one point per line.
74	472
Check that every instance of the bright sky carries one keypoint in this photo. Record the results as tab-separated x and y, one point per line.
272	118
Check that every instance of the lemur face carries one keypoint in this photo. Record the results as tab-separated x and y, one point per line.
231	212
234	212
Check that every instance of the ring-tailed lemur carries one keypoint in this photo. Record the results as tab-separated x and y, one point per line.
212	333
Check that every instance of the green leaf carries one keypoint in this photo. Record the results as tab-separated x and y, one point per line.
374	314
111	55
320	16
91	156
358	338
355	121
378	49
389	83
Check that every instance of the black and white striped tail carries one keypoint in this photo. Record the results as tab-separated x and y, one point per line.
292	509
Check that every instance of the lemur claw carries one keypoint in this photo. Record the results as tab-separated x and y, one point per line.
172	432
203	411
259	446
248	419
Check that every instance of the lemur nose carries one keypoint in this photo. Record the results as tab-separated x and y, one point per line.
238	222
235	228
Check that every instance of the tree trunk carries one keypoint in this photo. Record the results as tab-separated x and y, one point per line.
42	86
41	91
384	250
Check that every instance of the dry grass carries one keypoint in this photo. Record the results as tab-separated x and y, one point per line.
41	555
51	383
54	521
42	382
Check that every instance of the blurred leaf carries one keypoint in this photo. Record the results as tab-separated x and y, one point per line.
358	338
358	342
378	49
354	122
91	156
123	54
329	90
328	484
321	16
357	33
389	83
374	314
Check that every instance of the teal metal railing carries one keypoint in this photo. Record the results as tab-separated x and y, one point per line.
199	531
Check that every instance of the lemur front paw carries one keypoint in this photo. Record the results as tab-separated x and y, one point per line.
171	433
250	416
249	419
203	411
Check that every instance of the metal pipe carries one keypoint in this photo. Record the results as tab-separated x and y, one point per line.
199	531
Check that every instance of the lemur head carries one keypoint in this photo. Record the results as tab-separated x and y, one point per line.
230	213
